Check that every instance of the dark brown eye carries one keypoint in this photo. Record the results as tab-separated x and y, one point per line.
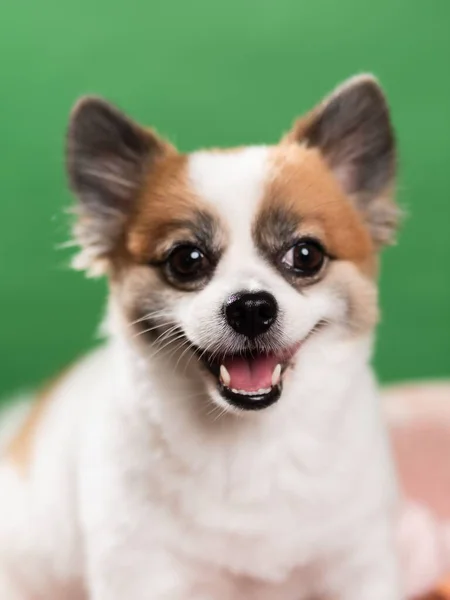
305	258
188	263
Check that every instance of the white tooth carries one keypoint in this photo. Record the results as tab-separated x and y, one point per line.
250	394
276	375
224	375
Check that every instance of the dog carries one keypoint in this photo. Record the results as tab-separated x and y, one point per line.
226	441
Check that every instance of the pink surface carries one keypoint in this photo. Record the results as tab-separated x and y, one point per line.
419	418
423	456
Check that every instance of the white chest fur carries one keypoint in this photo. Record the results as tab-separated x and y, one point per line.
259	496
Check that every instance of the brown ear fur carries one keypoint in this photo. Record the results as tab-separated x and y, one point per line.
353	131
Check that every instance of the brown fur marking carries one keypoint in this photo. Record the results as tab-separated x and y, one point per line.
20	449
166	204
303	185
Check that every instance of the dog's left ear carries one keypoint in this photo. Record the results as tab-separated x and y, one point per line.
353	131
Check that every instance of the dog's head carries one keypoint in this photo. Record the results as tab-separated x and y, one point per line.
235	258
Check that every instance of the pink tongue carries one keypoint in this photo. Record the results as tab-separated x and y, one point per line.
251	374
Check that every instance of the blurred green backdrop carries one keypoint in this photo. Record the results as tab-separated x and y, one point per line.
203	73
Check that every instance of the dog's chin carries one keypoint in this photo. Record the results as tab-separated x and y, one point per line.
247	381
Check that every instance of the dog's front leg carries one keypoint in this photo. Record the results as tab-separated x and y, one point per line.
140	575
367	569
126	553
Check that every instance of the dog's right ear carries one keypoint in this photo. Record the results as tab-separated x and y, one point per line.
352	130
108	157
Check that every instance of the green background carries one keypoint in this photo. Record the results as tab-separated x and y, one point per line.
203	73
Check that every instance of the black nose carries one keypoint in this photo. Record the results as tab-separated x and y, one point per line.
251	313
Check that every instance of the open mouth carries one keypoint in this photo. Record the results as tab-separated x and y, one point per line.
252	380
248	380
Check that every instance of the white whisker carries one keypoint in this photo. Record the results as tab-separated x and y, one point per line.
151	315
137	334
171	341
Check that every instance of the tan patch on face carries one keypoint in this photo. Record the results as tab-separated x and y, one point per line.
360	293
20	449
230	150
303	185
168	210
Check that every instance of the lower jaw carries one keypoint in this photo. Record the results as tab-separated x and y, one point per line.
250	402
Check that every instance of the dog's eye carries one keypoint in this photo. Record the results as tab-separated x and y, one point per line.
305	258
187	263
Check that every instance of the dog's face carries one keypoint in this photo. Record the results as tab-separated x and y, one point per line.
234	259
